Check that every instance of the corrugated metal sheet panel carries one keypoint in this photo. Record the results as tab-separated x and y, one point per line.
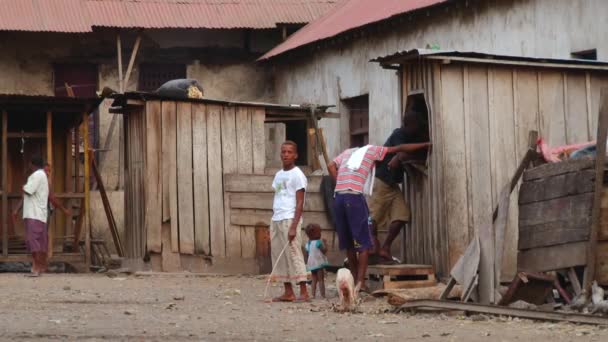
350	15
44	16
83	15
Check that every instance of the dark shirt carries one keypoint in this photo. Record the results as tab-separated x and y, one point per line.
395	176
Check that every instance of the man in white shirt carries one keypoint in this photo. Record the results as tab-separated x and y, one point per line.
35	214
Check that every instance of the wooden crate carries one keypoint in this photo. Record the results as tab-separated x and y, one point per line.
403	276
555	204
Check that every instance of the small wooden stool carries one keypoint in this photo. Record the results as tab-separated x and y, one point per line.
404	276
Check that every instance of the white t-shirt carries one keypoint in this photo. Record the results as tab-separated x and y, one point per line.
285	185
36	197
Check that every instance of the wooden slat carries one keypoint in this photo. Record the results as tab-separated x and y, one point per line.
216	200
87	194
262	183
559	186
231	159
201	189
248	242
153	182
313	202
454	161
563	208
526	106
4	153
602	136
258	140
244	141
555	169
552	258
552	116
171	261
554	233
169	160
575	95
603	231
184	178
49	158
262	217
479	178
601	266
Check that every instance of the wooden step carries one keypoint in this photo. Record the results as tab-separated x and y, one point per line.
403	276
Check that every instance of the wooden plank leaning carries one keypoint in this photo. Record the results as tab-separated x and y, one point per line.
107	208
602	132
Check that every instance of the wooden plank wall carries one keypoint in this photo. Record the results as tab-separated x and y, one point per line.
190	149
480	118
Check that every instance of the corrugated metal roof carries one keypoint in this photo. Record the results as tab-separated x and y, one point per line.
65	104
350	15
404	56
82	15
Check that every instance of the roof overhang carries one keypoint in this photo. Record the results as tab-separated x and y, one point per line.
20	102
396	60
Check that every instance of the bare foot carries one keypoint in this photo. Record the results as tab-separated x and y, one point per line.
284	298
303	298
385	254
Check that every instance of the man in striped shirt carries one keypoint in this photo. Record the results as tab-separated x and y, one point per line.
351	212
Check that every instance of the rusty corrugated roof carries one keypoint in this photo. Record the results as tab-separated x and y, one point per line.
82	15
348	16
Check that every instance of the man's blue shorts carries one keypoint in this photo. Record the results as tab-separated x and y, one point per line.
352	222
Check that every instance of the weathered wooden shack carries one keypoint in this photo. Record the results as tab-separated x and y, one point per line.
49	127
480	109
196	180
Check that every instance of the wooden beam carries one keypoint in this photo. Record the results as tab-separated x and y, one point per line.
131	62
27	135
602	132
119	57
87	230
49	160
4	167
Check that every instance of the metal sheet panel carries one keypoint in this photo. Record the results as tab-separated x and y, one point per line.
350	15
82	15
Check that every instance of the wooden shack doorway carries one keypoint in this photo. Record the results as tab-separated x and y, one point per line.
43	126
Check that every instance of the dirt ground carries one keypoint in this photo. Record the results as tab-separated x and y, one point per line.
214	308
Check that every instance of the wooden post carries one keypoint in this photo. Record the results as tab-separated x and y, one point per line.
4	167
602	132
49	160
87	230
119	57
131	61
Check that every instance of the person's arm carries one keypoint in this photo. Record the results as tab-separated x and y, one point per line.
323	246
407	148
332	168
55	202
298	214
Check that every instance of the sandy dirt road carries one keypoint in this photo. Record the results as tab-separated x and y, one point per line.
177	307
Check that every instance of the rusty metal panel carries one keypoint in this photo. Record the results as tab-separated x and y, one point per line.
83	15
347	16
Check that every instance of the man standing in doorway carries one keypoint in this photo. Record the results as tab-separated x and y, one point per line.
387	204
35	214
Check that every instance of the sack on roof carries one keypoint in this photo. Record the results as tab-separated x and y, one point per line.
181	89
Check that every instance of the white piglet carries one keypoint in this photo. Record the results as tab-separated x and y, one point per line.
346	289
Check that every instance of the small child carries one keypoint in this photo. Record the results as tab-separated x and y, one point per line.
317	259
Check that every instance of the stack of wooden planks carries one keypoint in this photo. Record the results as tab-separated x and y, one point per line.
555	205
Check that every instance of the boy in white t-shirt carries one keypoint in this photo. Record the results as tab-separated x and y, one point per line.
289	185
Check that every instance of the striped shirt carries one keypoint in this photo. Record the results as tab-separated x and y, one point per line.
354	180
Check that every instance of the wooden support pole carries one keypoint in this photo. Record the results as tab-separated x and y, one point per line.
131	62
49	160
602	132
87	230
119	57
4	167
